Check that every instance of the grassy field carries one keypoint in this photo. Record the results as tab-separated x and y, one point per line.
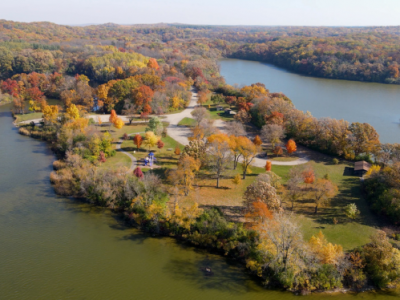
189	122
165	157
120	159
228	197
28	116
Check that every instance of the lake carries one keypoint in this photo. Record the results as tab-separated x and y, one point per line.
373	103
58	248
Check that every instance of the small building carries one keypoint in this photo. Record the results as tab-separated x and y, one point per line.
229	112
361	167
219	107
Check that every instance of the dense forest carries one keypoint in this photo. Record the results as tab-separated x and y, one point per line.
353	53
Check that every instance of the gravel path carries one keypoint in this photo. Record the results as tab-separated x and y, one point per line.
133	159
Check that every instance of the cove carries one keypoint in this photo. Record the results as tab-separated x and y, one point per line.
364	102
58	248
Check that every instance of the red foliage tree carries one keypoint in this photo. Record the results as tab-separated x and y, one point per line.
268	166
160	144
274	118
138	172
10	87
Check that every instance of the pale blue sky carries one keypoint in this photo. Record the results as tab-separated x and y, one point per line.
219	12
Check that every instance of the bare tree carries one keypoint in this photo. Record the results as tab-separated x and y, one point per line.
219	157
272	133
235	128
200	114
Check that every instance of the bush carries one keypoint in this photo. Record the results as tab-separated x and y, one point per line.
335	161
24	131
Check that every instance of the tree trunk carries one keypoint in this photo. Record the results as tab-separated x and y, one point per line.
217	182
292	205
316	209
244	173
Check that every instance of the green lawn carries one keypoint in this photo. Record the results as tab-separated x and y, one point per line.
189	122
166	159
28	116
119	160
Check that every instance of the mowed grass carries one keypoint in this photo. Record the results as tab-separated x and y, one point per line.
28	116
349	234
165	157
120	159
229	197
189	122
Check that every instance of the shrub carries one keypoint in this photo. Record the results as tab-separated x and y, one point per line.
24	131
335	161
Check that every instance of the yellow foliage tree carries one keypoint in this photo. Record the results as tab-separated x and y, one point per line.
73	112
373	170
150	139
78	124
237	180
328	253
118	123
50	113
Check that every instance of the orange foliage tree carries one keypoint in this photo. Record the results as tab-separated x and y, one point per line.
268	166
257	141
291	146
153	64
137	140
308	176
113	117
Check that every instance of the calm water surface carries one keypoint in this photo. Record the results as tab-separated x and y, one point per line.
56	248
374	103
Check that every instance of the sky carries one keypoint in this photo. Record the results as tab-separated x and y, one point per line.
211	12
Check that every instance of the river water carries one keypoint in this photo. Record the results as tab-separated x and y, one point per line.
374	103
56	248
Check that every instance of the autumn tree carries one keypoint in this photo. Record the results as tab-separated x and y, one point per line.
294	190
308	175
291	146
243	116
364	138
137	140
219	154
73	112
118	123
272	133
155	125
257	141
261	190
237	180
150	139
113	117
152	64
328	253
258	213
268	166
322	191
160	144
177	150
184	175
50	114
382	260
138	172
248	151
